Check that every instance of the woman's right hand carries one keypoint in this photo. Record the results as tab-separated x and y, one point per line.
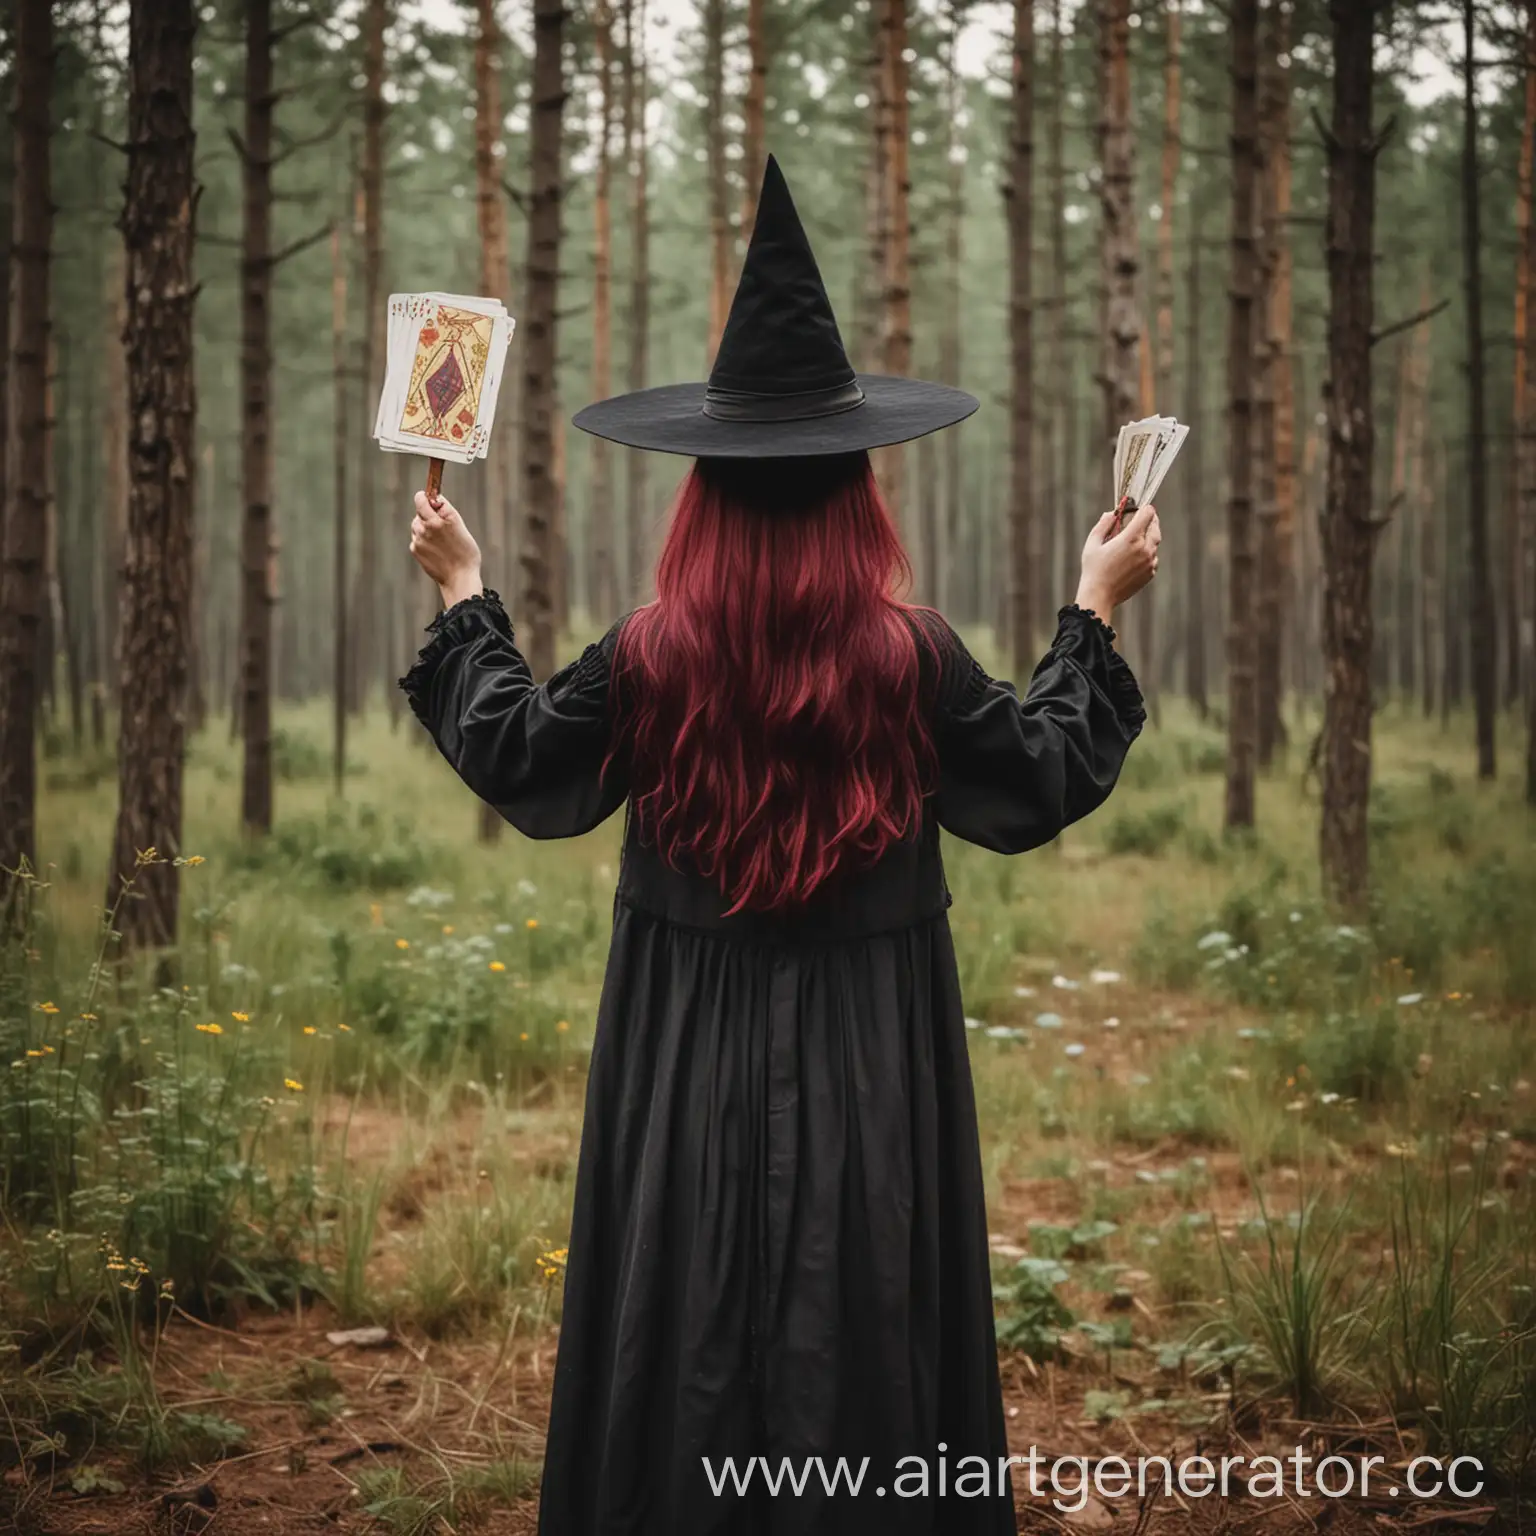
1116	566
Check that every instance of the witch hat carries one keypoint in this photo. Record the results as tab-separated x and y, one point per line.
782	385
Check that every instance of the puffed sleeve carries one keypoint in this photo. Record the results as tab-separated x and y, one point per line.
534	751
1013	772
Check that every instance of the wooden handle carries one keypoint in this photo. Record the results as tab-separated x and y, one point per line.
434	477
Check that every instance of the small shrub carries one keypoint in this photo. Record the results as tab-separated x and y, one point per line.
1149	832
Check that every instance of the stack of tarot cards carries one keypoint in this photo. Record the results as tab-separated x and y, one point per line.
1144	453
446	356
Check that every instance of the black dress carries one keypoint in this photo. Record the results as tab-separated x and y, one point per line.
779	1242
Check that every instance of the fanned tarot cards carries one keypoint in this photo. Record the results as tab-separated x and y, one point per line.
1144	453
446	355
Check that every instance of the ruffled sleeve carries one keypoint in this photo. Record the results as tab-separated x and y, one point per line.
534	751
1013	772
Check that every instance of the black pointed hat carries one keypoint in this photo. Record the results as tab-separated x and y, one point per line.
782	385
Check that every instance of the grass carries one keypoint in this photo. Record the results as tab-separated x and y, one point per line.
1226	1137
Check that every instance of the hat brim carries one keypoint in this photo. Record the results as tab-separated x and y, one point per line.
671	419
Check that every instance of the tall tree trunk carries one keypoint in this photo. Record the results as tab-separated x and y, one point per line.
604	596
495	269
949	337
368	632
1525	273
339	672
23	575
1196	618
258	545
1526	424
541	510
1121	252
1242	711
754	110
1063	514
719	193
896	325
158	233
1275	425
1480	610
1018	194
114	479
1348	525
1147	628
636	154
869	294
495	282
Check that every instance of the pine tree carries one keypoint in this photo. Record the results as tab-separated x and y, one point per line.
158	233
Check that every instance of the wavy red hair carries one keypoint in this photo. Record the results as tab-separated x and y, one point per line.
768	698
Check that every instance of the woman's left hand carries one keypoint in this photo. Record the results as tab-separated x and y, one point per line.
444	548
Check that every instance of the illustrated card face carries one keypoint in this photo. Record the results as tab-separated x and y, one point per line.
1138	446
447	373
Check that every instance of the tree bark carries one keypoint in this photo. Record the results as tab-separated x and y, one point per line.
1061	518
754	110
870	293
1482	628
1018	197
1348	524
1195	616
1276	429
541	510
1525	272
258	545
368	633
896	324
339	672
1242	711
23	574
941	579
1121	251
114	478
158	233
495	282
1479	598
604	595
1526	422
719	193
636	155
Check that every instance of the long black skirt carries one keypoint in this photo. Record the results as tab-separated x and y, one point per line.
777	1313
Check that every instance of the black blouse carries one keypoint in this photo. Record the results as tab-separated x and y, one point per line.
1012	771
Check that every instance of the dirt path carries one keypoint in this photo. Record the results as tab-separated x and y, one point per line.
319	1418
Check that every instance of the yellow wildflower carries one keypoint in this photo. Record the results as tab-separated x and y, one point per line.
447	927
293	1084
346	1029
402	943
562	1026
240	1018
497	965
90	1018
49	1008
210	1029
532	923
523	1036
309	1029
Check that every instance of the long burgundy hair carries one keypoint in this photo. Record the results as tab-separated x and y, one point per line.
768	698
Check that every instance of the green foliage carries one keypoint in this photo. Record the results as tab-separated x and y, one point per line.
350	848
1149	832
1456	1331
1293	1299
1033	1316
